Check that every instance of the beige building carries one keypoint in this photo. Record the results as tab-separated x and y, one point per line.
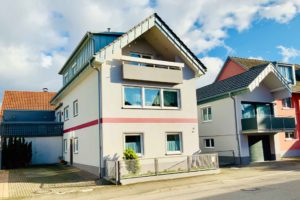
129	90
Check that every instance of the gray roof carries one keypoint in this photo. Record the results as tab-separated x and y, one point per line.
235	83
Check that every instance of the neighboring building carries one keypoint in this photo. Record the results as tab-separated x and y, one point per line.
129	90
30	115
289	141
238	113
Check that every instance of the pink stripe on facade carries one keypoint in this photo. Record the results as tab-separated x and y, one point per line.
132	120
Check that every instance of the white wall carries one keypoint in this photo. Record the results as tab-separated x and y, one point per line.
45	150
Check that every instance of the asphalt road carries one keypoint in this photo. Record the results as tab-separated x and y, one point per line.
270	180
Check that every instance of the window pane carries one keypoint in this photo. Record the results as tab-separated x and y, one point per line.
212	141
207	144
263	110
170	98
173	143
209	113
152	97
133	96
133	142
248	110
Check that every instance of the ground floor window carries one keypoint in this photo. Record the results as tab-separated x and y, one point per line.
65	145
174	144
76	145
290	135
134	142
209	143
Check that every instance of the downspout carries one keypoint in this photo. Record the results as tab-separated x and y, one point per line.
101	167
236	128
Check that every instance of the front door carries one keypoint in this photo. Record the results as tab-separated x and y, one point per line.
71	151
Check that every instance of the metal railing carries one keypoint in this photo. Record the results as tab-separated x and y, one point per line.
268	124
127	169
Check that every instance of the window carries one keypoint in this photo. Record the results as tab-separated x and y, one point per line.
256	109
287	103
140	97
152	97
140	55
66	77
174	143
134	142
287	72
75	108
74	68
209	143
58	116
66	113
171	98
76	145
133	96
65	145
206	114
290	135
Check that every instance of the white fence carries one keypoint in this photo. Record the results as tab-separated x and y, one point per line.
126	169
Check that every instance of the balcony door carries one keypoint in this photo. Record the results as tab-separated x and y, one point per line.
255	109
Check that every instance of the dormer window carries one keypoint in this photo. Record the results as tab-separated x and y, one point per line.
66	77
287	72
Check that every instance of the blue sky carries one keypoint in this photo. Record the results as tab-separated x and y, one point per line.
37	36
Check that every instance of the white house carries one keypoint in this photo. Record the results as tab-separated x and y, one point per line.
129	90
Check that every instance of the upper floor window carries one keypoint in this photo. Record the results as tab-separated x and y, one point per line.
66	113
76	145
141	97
75	108
133	96
58	116
287	72
74	68
66	77
134	142
140	55
254	109
287	103
206	114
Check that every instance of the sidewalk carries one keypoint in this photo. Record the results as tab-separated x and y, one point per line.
4	184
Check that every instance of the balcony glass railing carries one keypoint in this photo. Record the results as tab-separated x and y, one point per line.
268	123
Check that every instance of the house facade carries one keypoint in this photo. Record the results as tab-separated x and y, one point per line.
289	142
29	115
239	114
129	90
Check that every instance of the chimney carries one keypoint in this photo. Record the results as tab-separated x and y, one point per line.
45	89
108	29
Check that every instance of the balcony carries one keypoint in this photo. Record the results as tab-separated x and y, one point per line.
268	124
31	129
141	69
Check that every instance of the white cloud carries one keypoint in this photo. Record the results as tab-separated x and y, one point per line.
256	57
37	36
288	53
213	65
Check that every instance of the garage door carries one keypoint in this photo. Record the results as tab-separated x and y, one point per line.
259	148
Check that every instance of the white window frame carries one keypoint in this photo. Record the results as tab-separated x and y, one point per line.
210	143
75	109
141	140
289	133
65	145
202	113
143	105
75	145
135	106
180	140
66	117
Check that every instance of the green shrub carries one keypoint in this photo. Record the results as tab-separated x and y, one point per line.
132	161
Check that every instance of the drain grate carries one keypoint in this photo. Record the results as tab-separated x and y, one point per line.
249	189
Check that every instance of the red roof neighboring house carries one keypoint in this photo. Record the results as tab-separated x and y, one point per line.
26	100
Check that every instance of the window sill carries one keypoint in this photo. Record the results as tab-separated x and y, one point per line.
207	121
174	153
151	108
75	115
209	147
290	139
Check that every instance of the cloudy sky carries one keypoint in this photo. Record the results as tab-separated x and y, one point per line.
37	36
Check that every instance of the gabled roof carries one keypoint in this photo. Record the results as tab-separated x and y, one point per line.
151	21
26	100
248	63
246	81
